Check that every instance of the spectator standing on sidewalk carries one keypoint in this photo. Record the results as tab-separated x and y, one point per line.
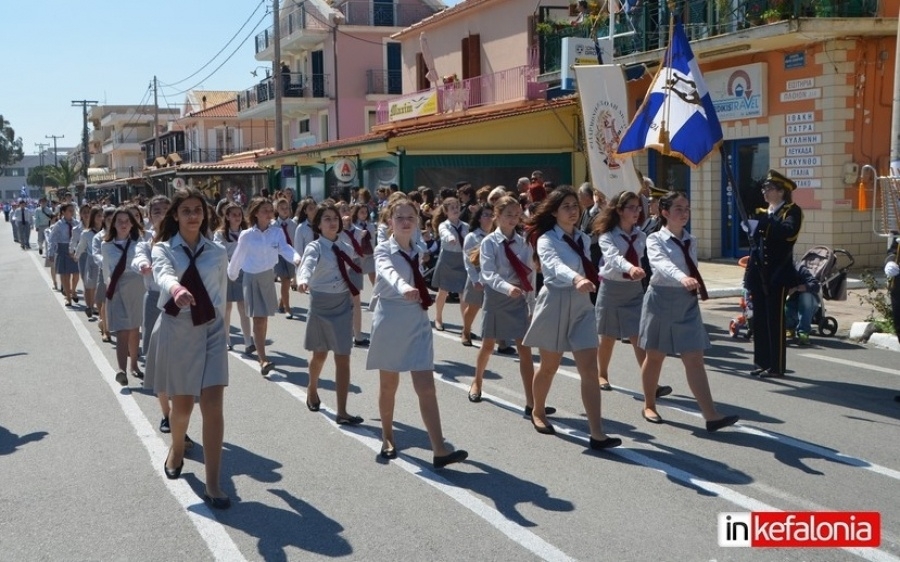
24	219
801	305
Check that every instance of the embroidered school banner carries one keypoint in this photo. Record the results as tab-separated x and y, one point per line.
604	110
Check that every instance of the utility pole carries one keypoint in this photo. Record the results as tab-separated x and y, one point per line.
85	146
155	121
55	154
41	146
895	121
279	82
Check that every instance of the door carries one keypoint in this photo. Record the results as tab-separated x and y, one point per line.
394	70
318	74
383	13
749	162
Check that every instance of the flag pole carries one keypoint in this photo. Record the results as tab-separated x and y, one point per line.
663	130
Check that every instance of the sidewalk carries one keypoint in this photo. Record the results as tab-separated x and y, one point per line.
724	280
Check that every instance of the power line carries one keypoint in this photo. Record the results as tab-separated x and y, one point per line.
208	76
209	62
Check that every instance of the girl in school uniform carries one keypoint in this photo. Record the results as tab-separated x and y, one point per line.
84	214
256	254
507	273
563	317
63	242
450	271
473	293
227	235
670	321
353	237
142	264
285	270
124	290
191	362
100	298
90	271
401	337
360	214
324	274
303	234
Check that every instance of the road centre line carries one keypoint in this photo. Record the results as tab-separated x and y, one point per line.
849	363
213	533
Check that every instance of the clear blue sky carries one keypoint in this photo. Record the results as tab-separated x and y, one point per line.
57	51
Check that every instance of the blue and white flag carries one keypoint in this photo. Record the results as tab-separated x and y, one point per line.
677	117
23	192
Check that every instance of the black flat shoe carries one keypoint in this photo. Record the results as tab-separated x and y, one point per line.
138	374
122	378
475	397
663	390
361	343
771	374
348	420
508	350
455	456
716	425
217	503
606	386
172	473
757	372
250	349
655	418
607	443
266	368
188	443
388	453
439	326
313	406
548	410
164	426
543	430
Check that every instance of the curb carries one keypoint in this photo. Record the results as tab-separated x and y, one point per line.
726	292
884	341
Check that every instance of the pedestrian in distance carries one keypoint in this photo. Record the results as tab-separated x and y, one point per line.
256	254
564	318
324	274
190	361
61	238
90	271
670	322
402	339
24	219
285	271
227	235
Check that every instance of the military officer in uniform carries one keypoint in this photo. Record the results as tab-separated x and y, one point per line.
771	272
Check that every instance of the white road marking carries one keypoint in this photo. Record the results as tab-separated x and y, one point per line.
201	516
854	364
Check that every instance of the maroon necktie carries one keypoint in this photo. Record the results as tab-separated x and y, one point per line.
631	255
418	280
590	271
202	311
356	247
118	270
343	261
287	237
367	241
67	223
692	267
458	230
522	270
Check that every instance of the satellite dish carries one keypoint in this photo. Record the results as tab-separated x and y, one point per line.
178	183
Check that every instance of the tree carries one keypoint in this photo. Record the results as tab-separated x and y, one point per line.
10	145
64	174
41	176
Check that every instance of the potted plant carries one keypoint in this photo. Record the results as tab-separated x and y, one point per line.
753	11
543	28
824	8
771	15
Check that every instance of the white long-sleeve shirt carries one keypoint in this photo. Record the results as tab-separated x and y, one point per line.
560	263
496	271
393	274
303	235
170	261
84	243
613	246
142	257
450	241
472	241
258	250
319	268
669	265
112	252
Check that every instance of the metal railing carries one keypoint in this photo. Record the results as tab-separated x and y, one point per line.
383	14
381	81
503	86
301	18
294	85
200	155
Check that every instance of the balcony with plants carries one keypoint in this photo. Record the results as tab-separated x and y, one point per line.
299	90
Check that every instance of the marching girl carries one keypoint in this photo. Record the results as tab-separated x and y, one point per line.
90	271
285	270
256	254
401	336
671	322
84	215
507	273
353	237
100	295
563	317
324	274
50	252
473	293
61	239
303	234
227	235
360	214
124	290
450	271
142	264
191	361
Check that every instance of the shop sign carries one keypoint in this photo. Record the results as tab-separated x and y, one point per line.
808	183
801	95
795	173
413	105
794	60
736	92
804	117
800	128
793	140
345	169
801	161
800	150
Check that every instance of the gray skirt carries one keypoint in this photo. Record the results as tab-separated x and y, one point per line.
329	324
90	274
503	317
356	278
65	264
125	310
471	295
183	359
285	270
368	264
100	295
618	308
563	320
235	289
151	313
671	321
450	272
259	294
401	338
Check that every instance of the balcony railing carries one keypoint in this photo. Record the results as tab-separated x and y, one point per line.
381	81
294	85
646	28
383	14
512	84
200	155
301	18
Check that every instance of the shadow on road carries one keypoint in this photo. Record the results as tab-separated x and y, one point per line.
8	355
10	442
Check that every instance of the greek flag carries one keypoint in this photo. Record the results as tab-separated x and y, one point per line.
677	117
23	192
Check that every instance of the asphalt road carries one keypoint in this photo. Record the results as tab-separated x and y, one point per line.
81	458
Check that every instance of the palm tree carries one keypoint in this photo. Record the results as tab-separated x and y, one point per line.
64	174
10	146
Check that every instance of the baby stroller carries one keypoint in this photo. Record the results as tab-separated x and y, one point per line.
740	325
823	263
